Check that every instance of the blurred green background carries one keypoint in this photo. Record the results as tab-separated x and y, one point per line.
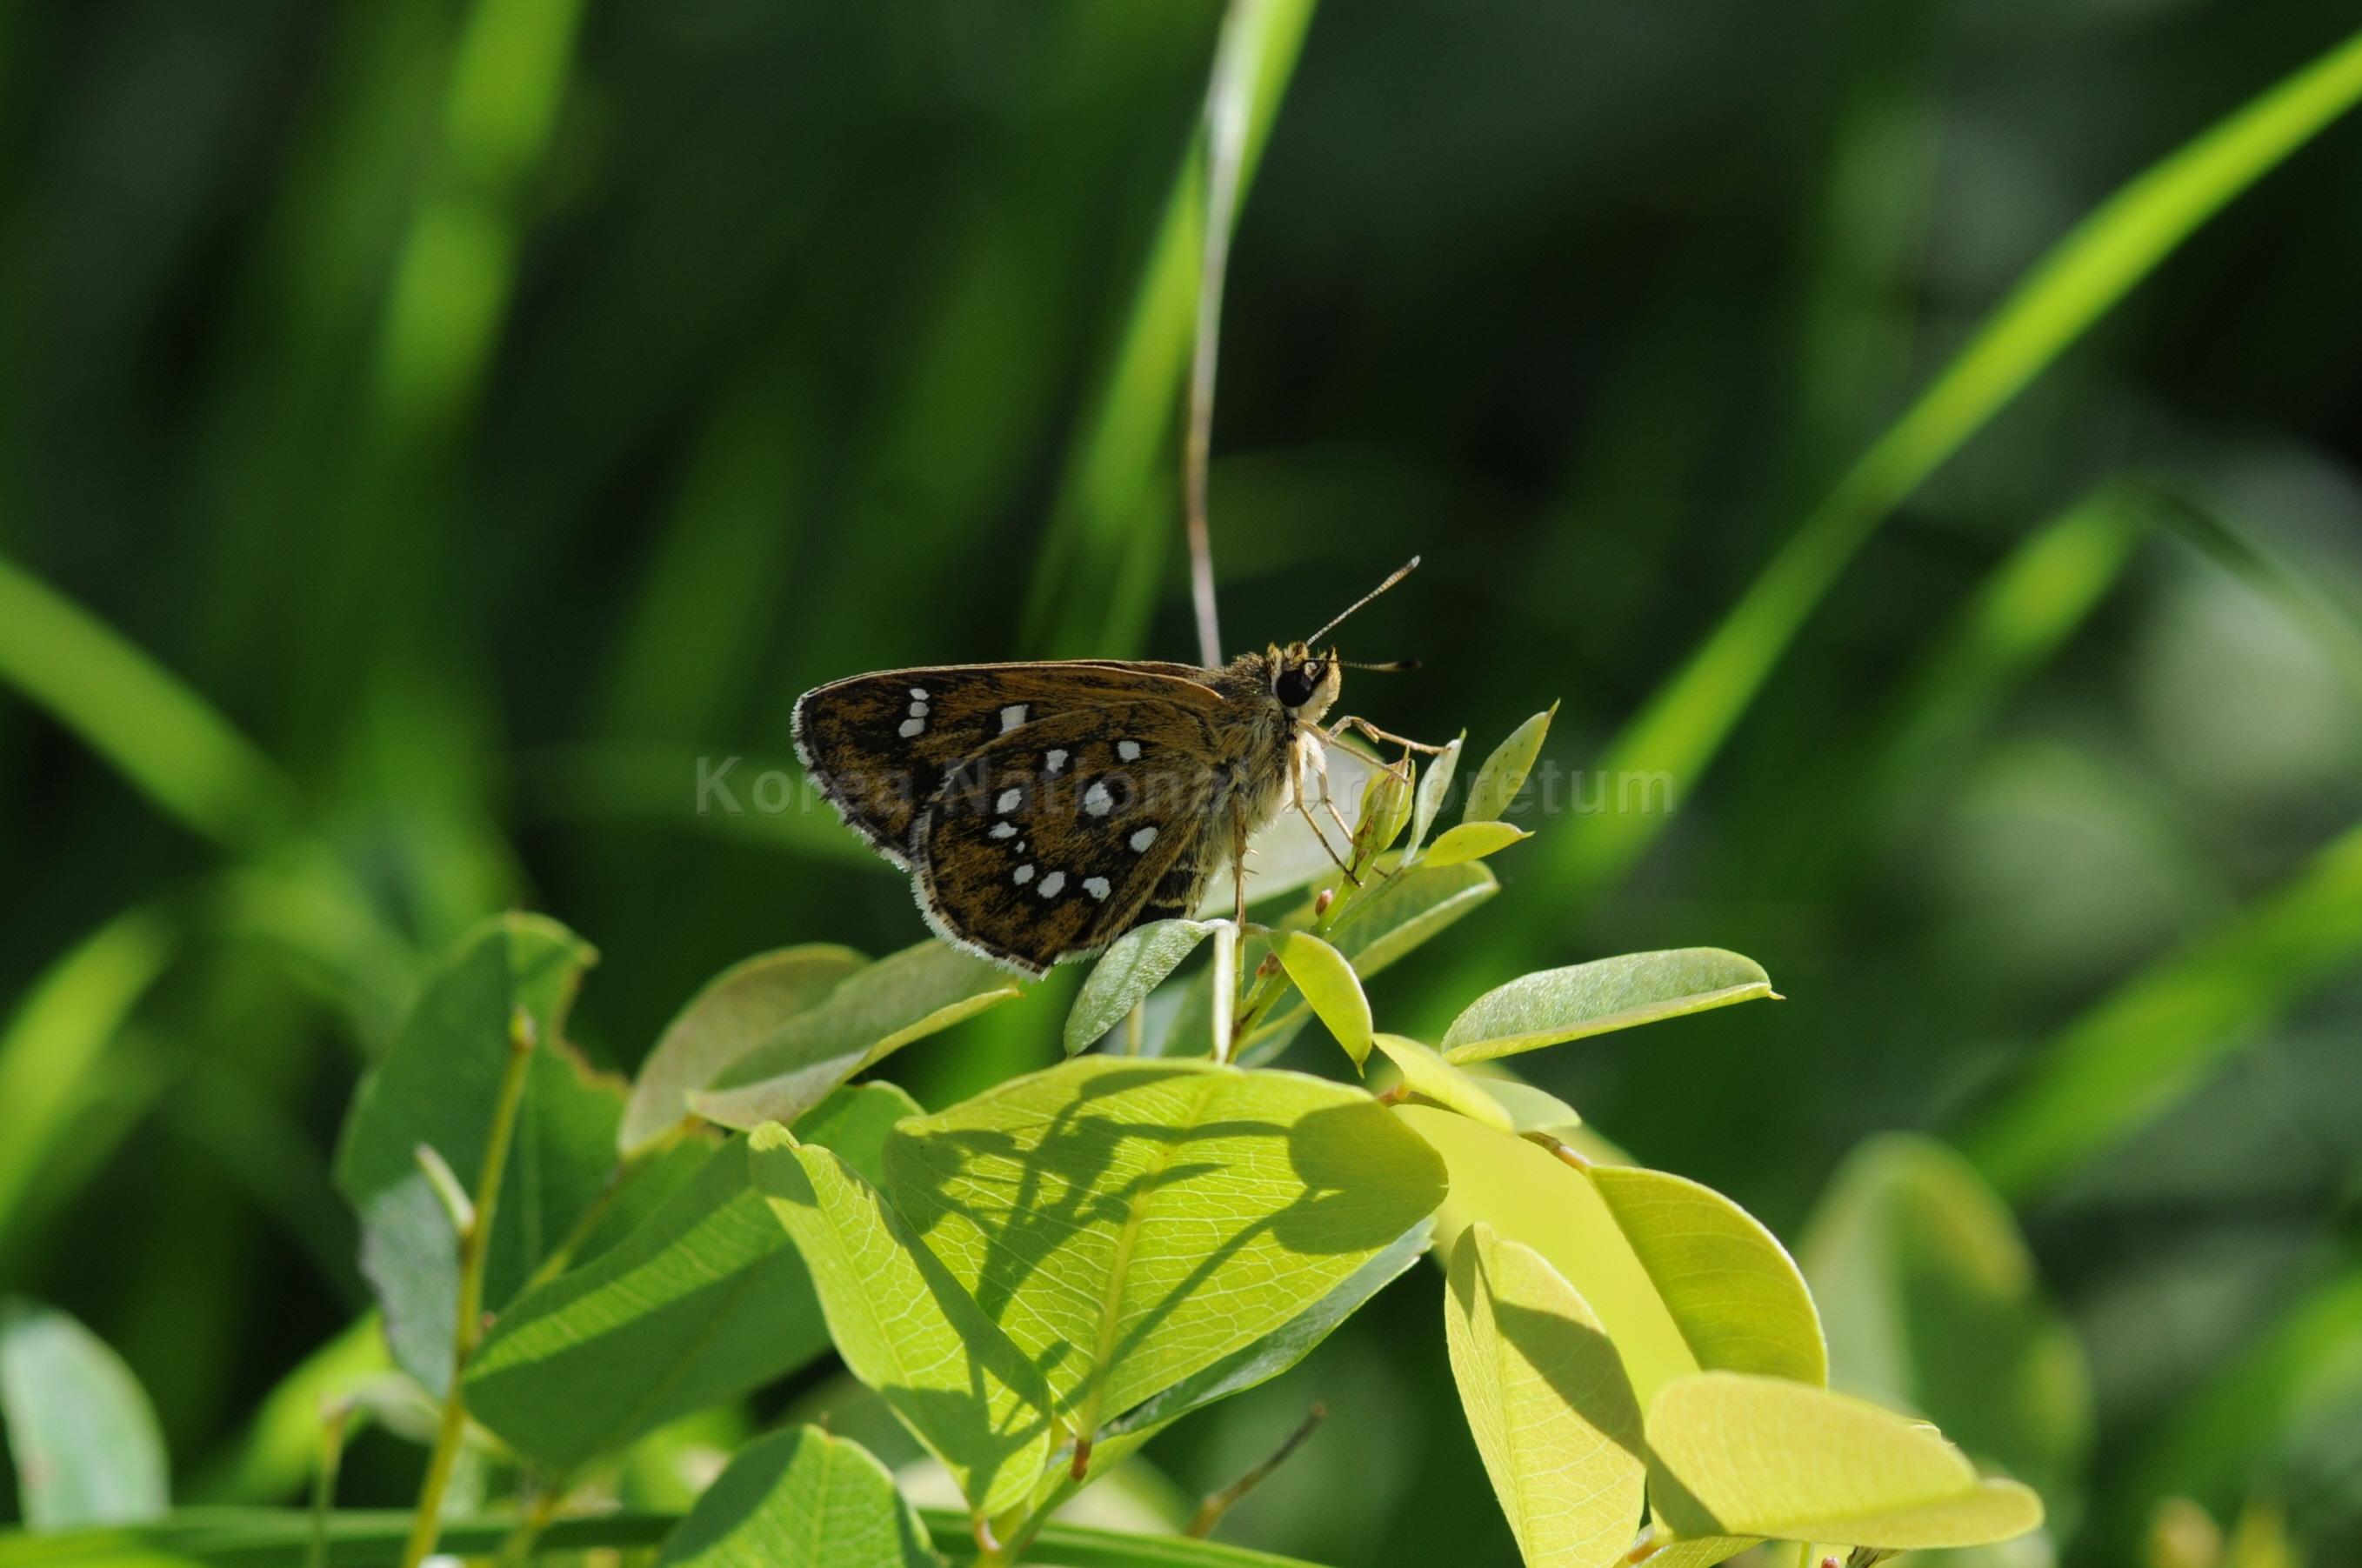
485	411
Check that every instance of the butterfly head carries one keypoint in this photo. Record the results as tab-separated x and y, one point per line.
1304	682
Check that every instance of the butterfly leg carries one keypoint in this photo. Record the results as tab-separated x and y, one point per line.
1349	722
1296	769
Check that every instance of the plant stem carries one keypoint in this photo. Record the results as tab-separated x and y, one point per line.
474	1251
332	1415
1209	1512
517	1550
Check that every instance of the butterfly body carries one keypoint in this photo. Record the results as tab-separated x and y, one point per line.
1043	810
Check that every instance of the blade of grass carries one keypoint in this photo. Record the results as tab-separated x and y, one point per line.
1095	582
2096	264
2143	1046
168	741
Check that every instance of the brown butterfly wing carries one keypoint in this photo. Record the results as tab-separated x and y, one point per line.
1057	838
881	745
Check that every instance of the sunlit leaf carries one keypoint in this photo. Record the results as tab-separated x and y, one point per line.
1527	1195
1330	987
1504	773
1386	812
1735	1454
1530	1109
906	1328
1932	1305
903	997
1547	1401
1557	1005
799	1498
1283	1347
737	1012
87	1447
437	1087
1131	1222
1426	1074
1134	964
1433	786
1734	1292
704	1301
1472	841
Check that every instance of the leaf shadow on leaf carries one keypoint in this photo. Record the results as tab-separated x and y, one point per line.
1606	1401
955	1421
1057	1194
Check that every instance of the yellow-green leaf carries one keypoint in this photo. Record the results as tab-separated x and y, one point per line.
1385	811
1329	984
1734	1293
1557	1005
1130	1221
1433	785
1134	964
1473	841
737	1011
1427	1074
906	1328
1504	773
903	997
1528	1196
1548	1403
1736	1454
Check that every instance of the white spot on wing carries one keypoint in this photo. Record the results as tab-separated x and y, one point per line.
918	692
1053	884
1143	839
1127	750
1007	802
1097	801
918	710
1096	886
912	728
1024	875
1054	762
1004	830
1010	717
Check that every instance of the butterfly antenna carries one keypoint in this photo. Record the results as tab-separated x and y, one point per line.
1392	665
1400	572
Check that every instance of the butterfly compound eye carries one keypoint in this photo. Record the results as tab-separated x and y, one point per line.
1294	687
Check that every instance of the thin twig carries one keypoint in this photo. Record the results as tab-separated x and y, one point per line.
427	1527
1209	1512
332	1415
1230	104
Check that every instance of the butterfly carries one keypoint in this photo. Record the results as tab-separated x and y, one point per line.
1043	810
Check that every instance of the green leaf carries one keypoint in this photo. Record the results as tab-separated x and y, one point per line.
1504	773
1329	985
1530	1109
1735	1454
1685	722
1557	1005
1472	841
87	1448
906	1328
1933	1305
1131	1222
703	1302
437	1087
799	1498
737	1011
1527	1195
1426	1074
1283	1347
1386	812
1134	964
1548	1404
2153	1038
903	997
56	1042
1433	785
1734	1292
